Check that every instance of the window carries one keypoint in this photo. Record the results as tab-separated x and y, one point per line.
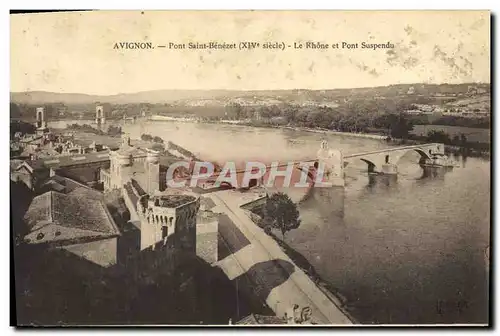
58	233
40	236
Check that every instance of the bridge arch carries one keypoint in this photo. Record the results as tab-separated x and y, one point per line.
226	185
371	165
424	154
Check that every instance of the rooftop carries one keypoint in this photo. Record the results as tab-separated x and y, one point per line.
68	160
74	211
66	185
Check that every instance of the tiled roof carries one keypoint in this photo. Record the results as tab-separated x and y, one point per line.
52	185
14	164
86	193
66	185
39	211
68	160
76	212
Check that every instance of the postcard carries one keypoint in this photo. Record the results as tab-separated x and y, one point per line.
236	168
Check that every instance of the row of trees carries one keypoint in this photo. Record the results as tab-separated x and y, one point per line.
111	131
158	143
150	138
363	116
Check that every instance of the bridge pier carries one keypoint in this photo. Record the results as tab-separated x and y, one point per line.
330	187
389	169
330	167
330	202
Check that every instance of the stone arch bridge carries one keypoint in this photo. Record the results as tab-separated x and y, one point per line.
377	159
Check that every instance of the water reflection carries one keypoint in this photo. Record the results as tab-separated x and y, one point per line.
436	173
328	202
381	181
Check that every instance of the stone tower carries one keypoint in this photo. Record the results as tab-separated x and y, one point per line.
169	219
331	165
120	161
152	168
330	196
41	124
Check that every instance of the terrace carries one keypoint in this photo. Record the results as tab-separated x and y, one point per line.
172	201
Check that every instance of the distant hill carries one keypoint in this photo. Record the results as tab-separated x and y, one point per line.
152	97
168	96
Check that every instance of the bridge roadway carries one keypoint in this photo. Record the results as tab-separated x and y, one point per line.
387	150
346	157
298	288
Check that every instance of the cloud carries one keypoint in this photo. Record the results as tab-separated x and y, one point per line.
404	56
364	68
451	62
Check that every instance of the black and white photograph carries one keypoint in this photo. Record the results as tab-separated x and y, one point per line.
237	168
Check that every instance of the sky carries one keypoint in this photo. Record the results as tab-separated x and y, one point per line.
73	52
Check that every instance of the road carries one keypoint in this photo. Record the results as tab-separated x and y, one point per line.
298	288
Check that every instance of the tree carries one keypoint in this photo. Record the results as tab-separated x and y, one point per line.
15	111
281	213
114	130
438	136
234	111
400	127
22	127
146	137
158	147
158	139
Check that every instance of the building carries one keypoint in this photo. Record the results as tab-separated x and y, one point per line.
67	213
130	162
163	216
82	168
73	217
169	218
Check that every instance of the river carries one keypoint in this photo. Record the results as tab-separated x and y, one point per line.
405	252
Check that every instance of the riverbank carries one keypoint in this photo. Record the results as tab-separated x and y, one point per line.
264	125
331	132
301	262
472	149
